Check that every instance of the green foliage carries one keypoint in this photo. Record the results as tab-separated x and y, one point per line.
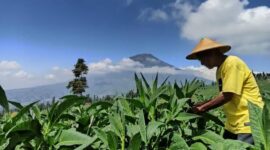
260	124
71	137
79	84
156	116
3	100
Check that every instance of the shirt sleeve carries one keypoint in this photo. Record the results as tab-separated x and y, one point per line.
233	80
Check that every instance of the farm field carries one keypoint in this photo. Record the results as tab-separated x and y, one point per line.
134	74
157	116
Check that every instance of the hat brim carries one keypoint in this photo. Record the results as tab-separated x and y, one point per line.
222	49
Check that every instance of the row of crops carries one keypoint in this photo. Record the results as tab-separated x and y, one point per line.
158	117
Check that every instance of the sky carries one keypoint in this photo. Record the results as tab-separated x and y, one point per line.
41	40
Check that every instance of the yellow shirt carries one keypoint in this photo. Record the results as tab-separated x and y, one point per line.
234	76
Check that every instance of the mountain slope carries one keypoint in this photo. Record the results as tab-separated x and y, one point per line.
113	83
148	60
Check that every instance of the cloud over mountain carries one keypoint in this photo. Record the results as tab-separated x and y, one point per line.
142	63
202	71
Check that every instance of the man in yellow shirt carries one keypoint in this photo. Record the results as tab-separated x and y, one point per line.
237	86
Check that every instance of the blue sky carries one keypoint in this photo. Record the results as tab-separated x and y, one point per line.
39	35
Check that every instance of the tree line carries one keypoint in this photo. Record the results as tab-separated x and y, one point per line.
262	75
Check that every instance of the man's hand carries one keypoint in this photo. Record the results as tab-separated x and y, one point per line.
198	108
214	103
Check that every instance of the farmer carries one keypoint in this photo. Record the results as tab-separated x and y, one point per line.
236	84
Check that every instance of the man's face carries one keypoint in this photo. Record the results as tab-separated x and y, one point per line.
207	59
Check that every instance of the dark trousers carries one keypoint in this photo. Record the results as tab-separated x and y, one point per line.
245	137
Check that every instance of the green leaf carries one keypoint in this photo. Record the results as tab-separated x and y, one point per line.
72	137
69	97
178	107
198	146
69	101
16	104
132	130
51	111
140	90
213	118
152	128
186	116
266	123
179	91
101	135
157	94
16	139
4	144
113	140
209	137
142	127
29	126
66	116
192	87
23	111
125	106
36	111
102	104
116	124
165	81
136	103
3	99
145	83
255	115
229	144
135	142
155	84
178	143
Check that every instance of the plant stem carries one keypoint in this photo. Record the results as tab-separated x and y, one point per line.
90	124
123	142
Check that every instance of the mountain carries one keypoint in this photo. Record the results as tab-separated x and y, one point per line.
148	60
43	93
113	83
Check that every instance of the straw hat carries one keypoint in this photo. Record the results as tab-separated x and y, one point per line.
207	44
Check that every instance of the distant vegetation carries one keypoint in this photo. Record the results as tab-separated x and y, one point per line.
262	76
155	116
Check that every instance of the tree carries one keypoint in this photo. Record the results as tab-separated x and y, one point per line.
79	83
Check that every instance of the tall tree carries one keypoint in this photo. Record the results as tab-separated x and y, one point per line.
79	83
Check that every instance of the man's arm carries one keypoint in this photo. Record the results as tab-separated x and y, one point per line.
214	103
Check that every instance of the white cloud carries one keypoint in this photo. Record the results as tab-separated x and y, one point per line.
202	71
126	64
13	68
22	74
58	74
151	14
231	22
180	9
55	68
156	69
13	76
5	73
9	65
50	76
18	78
106	66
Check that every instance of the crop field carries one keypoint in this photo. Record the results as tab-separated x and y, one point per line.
158	116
